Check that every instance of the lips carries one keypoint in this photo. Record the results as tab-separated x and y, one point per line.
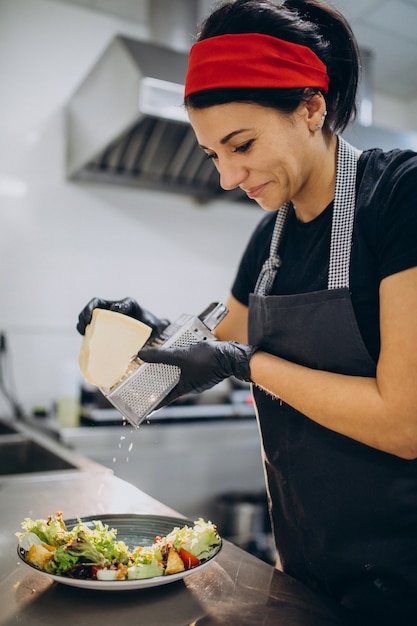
255	192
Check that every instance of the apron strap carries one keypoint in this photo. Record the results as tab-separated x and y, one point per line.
343	215
270	267
342	226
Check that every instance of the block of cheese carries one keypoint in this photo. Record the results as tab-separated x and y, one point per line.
110	342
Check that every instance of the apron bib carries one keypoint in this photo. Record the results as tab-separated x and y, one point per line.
344	515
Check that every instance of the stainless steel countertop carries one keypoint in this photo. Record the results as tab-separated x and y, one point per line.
236	589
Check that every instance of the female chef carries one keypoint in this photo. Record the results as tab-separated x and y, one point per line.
323	308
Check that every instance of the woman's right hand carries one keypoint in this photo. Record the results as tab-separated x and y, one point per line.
127	306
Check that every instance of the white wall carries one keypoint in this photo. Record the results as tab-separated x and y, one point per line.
394	114
62	243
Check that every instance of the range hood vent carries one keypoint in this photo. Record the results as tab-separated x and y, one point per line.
126	124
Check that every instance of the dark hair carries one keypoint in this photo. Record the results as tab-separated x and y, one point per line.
307	22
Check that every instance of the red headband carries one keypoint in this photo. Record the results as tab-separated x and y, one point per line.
252	60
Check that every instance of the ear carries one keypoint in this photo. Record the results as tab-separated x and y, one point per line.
315	108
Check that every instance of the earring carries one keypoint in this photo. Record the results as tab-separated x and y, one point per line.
323	117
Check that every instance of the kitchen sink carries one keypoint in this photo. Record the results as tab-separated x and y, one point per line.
7	429
23	456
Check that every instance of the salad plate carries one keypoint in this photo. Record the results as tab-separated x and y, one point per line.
134	530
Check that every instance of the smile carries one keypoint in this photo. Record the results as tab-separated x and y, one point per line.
255	192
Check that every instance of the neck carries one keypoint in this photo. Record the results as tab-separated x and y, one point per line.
318	191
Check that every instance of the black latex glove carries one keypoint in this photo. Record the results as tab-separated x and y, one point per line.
202	365
127	306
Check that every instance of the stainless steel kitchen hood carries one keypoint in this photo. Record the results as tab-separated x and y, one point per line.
126	124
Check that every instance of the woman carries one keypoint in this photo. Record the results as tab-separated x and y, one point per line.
323	307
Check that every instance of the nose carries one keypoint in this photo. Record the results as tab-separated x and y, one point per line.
231	174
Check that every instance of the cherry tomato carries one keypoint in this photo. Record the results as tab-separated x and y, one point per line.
188	559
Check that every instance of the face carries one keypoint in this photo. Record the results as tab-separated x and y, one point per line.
256	148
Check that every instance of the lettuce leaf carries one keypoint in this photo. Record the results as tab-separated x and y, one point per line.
202	540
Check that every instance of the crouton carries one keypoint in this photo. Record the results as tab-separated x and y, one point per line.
174	562
40	554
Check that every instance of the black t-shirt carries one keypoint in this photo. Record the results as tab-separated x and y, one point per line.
384	241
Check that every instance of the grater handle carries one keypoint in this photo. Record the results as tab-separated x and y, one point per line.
213	315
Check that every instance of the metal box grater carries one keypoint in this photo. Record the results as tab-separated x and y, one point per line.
145	385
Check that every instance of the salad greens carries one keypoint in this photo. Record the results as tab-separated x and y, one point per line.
201	540
146	563
93	551
51	531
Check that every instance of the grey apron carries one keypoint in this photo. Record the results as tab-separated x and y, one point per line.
344	515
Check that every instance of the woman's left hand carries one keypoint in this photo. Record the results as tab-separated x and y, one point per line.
202	365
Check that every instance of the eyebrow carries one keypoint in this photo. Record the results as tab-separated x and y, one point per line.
228	137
